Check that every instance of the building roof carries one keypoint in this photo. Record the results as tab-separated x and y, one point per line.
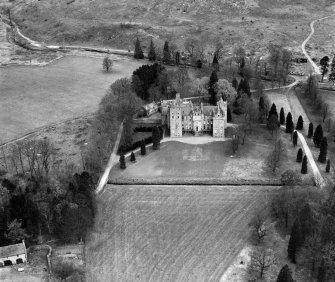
209	110
12	250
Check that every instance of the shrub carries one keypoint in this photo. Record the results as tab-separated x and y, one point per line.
300	123
310	130
323	150
282	116
289	123
328	166
304	168
299	156
318	135
295	138
132	157
122	161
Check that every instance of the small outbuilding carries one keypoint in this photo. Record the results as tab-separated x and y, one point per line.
148	109
13	254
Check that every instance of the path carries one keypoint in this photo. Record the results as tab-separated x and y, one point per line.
112	161
303	45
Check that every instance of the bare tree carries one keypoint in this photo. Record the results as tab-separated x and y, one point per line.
277	155
261	260
180	79
258	223
46	152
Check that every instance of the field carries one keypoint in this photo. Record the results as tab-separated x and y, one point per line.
251	23
165	233
32	97
213	162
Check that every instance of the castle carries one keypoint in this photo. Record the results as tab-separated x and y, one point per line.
182	117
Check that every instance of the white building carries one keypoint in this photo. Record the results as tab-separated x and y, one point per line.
13	254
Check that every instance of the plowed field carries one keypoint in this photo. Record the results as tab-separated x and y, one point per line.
165	233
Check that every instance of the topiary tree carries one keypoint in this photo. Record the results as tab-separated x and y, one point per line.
122	161
310	130
156	138
328	166
143	148
138	53
295	138
282	116
285	274
304	168
229	117
318	135
323	150
273	111
289	123
132	157
299	156
295	241
300	123
152	52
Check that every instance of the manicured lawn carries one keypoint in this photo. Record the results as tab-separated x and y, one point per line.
32	97
170	233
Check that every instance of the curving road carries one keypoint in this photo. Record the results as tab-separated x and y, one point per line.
303	45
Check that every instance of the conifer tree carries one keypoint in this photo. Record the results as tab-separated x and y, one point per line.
156	137
234	83
138	53
132	157
211	87
295	241
122	161
328	166
177	58
215	62
152	52
229	118
166	53
310	130
331	76
282	116
318	135
240	85
323	150
289	123
304	168
299	156
143	148
261	104
273	111
285	274
295	139
300	123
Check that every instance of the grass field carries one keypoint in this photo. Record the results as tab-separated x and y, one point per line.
251	23
177	161
178	233
32	97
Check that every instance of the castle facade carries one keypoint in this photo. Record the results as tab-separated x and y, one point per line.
182	117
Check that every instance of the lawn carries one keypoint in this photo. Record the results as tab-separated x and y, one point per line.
170	233
212	162
32	97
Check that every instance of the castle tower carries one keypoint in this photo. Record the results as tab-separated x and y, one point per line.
176	129
220	119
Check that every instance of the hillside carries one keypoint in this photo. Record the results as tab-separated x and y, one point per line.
115	23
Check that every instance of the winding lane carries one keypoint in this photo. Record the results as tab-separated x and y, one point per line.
303	45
